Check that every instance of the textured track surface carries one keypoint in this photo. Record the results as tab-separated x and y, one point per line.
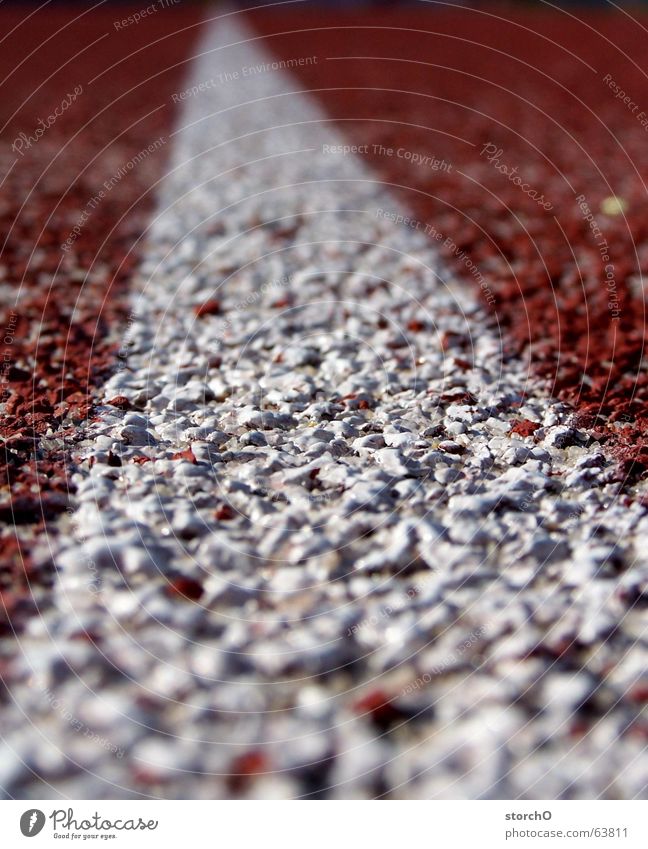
59	308
546	92
329	539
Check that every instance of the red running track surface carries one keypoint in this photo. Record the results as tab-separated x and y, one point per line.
61	309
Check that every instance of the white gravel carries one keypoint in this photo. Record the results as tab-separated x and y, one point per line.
389	538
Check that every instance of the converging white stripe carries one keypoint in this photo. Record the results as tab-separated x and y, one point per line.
314	501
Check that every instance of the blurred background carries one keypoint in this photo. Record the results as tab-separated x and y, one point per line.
477	4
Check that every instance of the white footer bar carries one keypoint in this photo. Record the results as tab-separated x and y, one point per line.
326	825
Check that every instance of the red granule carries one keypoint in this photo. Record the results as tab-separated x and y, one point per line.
639	730
186	455
141	460
525	427
379	706
84	636
120	401
639	694
212	307
464	365
224	513
245	767
416	326
147	776
579	728
185	586
282	303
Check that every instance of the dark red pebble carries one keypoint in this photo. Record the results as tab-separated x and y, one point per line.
379	707
579	728
141	460
464	365
524	427
639	694
415	326
212	307
187	455
245	767
450	339
639	730
224	513
121	402
86	636
148	777
282	303
184	586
